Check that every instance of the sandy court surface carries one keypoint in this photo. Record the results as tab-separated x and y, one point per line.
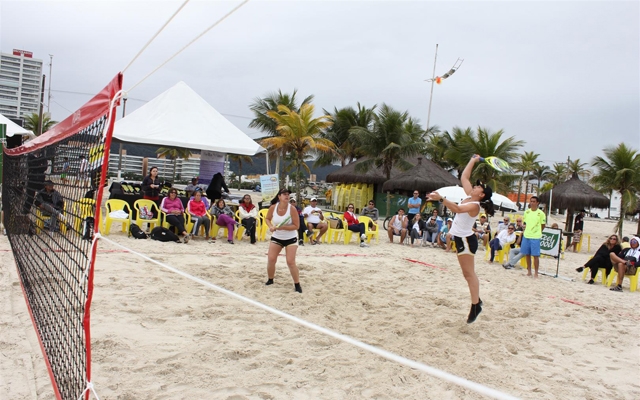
158	335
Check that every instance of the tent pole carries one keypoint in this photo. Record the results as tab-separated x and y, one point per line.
124	108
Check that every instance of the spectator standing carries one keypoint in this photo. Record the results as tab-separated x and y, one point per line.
578	226
414	205
534	220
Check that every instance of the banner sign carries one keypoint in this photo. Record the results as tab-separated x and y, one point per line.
550	242
269	186
211	162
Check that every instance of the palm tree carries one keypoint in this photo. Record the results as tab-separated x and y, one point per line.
457	149
299	133
436	149
526	164
392	137
266	124
32	122
558	174
619	170
578	168
240	159
173	153
485	143
540	173
341	134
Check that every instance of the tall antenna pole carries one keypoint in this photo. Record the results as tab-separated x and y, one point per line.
50	65
433	79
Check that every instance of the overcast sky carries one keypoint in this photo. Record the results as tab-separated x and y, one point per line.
563	76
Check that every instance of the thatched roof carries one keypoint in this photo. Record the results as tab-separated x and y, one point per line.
348	174
575	195
425	177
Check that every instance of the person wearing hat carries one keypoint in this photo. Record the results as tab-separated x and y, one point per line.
192	187
283	222
482	229
626	262
315	220
534	221
51	203
478	196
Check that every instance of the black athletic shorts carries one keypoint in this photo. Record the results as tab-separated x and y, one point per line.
466	245
285	242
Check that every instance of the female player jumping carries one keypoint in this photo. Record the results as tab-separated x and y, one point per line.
465	240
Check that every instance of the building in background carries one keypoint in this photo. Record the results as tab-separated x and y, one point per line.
20	83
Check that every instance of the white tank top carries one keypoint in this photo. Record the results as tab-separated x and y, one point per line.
463	223
398	222
277	220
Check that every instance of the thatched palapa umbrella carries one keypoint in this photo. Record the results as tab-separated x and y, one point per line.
574	195
376	176
425	177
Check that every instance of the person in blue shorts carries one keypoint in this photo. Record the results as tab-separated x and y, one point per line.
534	221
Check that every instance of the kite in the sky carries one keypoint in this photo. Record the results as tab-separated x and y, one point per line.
456	65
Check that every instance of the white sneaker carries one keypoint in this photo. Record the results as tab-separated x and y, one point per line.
363	244
363	237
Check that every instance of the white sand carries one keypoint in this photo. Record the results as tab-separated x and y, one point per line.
157	335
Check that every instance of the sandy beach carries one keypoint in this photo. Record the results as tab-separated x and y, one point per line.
158	335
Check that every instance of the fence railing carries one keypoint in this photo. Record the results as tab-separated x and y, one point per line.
185	169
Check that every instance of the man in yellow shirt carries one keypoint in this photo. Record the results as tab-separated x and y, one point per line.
534	220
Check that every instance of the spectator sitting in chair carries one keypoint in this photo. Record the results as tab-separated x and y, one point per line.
432	230
602	258
315	220
482	229
626	262
354	225
248	214
419	230
197	208
174	209
51	202
503	225
192	187
502	239
398	226
224	218
372	212
444	238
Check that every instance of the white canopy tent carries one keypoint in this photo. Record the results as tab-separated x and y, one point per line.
14	129
179	117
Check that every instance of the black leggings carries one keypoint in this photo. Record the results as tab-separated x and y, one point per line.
177	221
594	270
302	229
358	228
249	224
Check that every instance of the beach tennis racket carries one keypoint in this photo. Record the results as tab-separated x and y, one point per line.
498	164
286	221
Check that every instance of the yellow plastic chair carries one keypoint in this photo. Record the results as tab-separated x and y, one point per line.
370	233
261	234
579	245
501	255
151	206
163	217
116	205
633	279
601	271
85	208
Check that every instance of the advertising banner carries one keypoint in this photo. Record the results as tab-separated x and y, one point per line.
269	186
211	162
550	242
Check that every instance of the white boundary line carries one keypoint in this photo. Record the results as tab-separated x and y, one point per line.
476	387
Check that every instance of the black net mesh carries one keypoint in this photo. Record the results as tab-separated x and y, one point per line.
49	206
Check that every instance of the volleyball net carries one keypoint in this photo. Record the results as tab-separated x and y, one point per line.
51	186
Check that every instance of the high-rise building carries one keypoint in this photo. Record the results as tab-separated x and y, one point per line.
20	83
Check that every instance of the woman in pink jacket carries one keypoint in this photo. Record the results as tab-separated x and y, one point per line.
198	211
174	209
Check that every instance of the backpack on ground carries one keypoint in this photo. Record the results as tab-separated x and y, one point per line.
136	232
164	235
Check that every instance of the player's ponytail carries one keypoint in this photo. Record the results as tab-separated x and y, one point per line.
488	207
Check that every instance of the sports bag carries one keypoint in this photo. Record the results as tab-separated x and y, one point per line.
136	232
164	235
87	228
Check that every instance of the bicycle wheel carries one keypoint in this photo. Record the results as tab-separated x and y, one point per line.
385	224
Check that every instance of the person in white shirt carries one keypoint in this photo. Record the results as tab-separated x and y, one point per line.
503	225
483	229
502	239
398	226
315	220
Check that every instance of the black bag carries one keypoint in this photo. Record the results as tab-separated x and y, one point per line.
164	235
136	232
87	228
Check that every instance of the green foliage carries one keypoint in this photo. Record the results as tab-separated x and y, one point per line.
619	170
392	137
173	153
31	122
